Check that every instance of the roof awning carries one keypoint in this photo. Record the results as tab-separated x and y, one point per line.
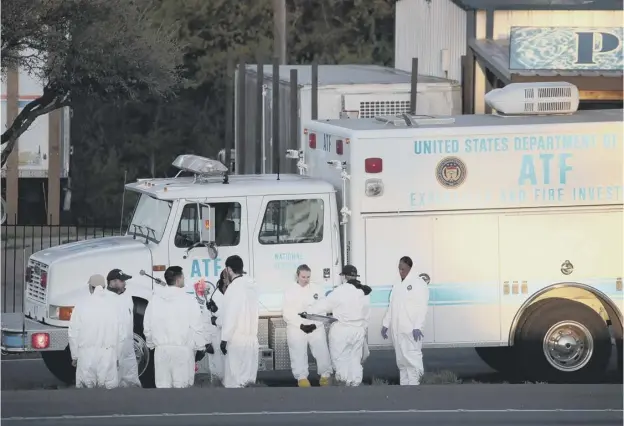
494	55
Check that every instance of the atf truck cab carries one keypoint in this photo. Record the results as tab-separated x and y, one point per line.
274	224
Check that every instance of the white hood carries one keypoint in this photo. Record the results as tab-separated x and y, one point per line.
70	265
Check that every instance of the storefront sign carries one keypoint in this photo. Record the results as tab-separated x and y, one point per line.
565	48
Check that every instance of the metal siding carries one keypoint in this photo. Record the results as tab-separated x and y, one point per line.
505	19
423	29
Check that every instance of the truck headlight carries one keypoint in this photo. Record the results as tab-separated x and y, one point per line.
62	313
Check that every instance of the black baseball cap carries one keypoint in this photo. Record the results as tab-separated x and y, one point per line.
349	271
235	263
118	274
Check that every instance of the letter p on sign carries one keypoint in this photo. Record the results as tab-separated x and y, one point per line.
591	43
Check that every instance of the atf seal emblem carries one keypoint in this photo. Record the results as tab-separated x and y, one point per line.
451	172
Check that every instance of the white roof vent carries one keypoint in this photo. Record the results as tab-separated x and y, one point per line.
534	99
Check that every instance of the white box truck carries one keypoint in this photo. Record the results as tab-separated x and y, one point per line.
516	222
353	91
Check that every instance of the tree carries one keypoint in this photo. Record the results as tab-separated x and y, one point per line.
103	49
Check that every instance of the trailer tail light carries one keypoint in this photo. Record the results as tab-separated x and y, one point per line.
43	281
312	139
29	274
374	188
373	165
339	147
40	341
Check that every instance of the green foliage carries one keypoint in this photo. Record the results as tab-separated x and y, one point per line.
143	138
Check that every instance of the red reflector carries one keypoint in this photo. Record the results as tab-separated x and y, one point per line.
373	165
44	279
339	147
40	340
312	139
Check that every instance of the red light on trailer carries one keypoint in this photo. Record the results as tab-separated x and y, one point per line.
312	139
339	148
373	165
40	340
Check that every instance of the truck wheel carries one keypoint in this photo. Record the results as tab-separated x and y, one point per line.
501	358
144	356
59	363
564	341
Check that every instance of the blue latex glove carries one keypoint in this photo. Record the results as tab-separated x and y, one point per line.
417	334
384	332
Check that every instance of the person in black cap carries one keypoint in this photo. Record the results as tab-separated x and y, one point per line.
349	303
128	368
173	326
239	332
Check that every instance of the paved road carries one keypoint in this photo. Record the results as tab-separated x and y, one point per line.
463	364
479	404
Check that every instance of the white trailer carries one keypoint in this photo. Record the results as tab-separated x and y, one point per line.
352	91
517	222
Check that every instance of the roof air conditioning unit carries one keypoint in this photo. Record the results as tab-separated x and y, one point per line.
534	99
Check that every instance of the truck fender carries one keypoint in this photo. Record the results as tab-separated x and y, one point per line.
615	315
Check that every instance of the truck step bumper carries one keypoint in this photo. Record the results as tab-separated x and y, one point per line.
21	334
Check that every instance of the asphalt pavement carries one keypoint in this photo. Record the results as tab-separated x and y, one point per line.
465	404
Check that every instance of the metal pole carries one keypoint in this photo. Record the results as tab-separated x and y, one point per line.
314	90
229	112
259	117
279	30
241	134
276	117
293	143
414	86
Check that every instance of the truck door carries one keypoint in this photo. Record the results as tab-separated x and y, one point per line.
230	219
388	239
292	230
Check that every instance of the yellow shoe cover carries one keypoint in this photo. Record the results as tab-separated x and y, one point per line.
304	383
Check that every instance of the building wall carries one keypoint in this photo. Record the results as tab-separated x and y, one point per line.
505	19
423	29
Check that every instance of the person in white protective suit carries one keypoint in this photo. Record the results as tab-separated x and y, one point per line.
302	332
349	303
95	333
405	319
128	368
173	327
239	327
215	309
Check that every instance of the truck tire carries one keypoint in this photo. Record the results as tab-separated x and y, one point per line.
145	356
499	358
563	341
60	365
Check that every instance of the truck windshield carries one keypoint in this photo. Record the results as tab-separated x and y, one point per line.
150	218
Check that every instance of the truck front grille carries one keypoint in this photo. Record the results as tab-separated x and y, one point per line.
34	290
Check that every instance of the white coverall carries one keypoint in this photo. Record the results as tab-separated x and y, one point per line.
407	311
173	325
239	328
216	360
300	299
95	333
128	368
351	307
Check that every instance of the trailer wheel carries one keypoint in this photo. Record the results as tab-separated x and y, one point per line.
59	363
563	341
144	356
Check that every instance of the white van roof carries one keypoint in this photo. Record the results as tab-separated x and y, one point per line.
239	185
